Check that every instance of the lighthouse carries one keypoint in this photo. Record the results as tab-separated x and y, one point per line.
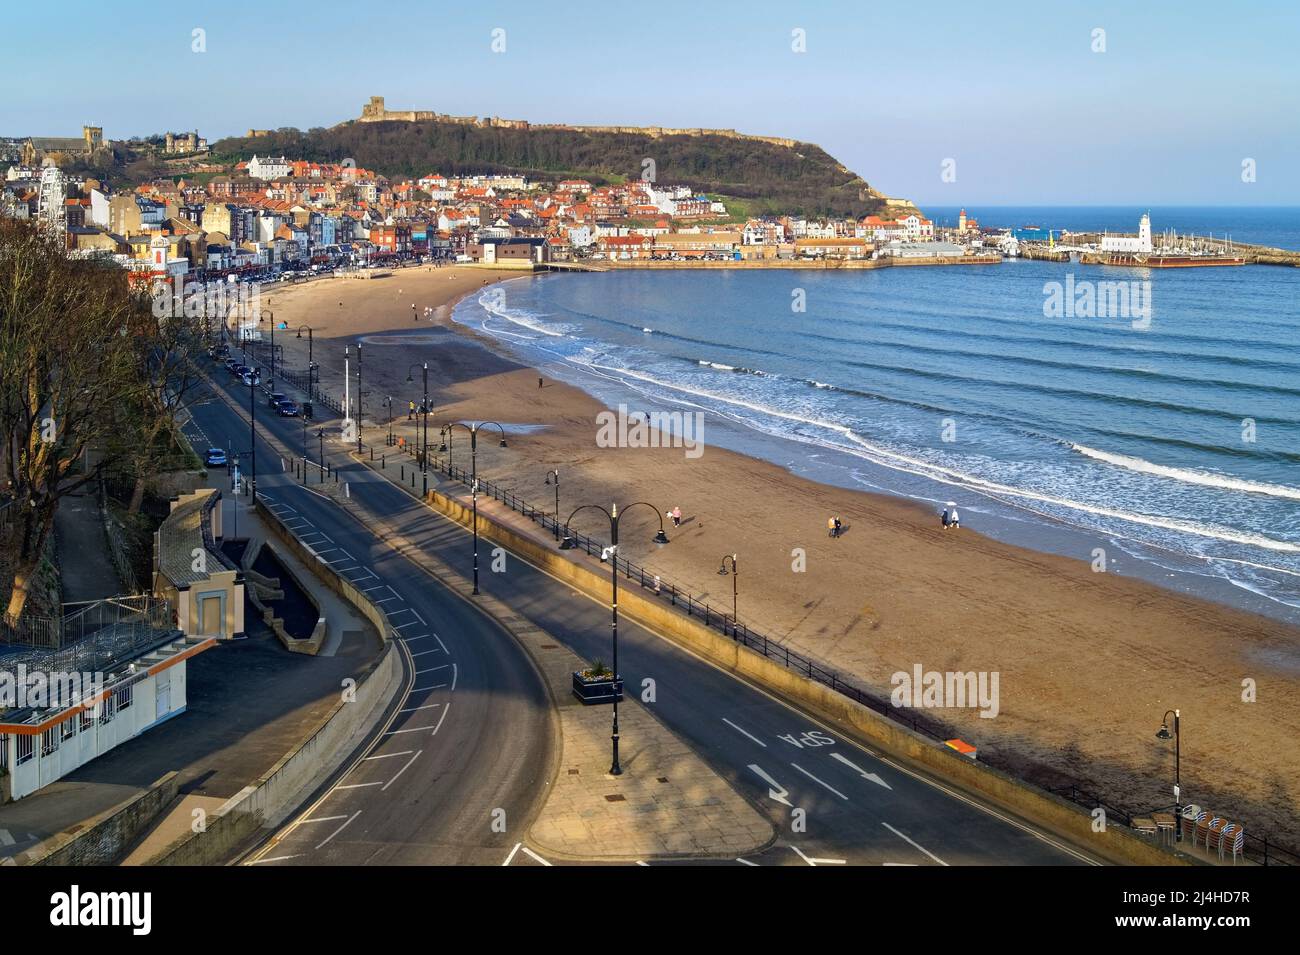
961	221
1144	233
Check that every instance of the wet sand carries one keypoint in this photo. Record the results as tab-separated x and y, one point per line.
1088	662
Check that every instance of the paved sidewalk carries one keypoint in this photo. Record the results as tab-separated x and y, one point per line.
667	803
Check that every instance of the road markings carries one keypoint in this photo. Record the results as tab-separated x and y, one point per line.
405	752
861	772
445	710
339	829
529	852
510	857
275	859
416	709
454	673
746	862
915	844
423	653
441	666
441	644
812	861
819	782
739	730
413	758
357	785
775	791
413	729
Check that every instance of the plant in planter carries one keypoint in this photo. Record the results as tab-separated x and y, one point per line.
597	684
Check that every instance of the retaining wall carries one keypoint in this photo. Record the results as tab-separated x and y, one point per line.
1117	842
266	801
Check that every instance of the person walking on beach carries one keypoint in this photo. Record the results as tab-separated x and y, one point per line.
955	518
838	527
945	519
830	527
677	517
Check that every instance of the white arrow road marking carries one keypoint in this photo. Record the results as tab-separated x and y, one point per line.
741	731
861	772
917	845
776	791
533	855
819	782
814	861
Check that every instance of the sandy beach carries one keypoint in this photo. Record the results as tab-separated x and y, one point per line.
1088	662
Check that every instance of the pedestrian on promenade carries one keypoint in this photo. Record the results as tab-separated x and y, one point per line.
410	410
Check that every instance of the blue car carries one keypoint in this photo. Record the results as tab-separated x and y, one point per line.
287	409
216	458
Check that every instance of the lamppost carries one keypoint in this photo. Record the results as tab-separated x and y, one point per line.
424	413
320	436
1164	734
311	366
272	315
473	430
358	397
388	403
252	429
735	583
444	446
661	538
555	473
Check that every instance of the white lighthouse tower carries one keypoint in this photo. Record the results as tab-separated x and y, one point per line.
1144	233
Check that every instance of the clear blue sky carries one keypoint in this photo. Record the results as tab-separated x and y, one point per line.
1012	92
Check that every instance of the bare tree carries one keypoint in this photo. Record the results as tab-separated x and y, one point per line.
66	369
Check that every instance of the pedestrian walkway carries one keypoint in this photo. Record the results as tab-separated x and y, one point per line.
667	803
86	570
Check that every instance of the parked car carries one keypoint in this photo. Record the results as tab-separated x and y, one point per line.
287	409
275	398
252	378
216	458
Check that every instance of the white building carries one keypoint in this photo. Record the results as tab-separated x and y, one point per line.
268	168
1127	243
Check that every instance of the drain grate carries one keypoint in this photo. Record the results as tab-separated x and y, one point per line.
615	797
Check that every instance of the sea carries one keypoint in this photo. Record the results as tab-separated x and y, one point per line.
1165	448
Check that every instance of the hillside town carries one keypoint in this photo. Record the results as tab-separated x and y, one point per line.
274	216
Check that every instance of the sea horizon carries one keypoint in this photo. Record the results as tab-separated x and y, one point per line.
1277	226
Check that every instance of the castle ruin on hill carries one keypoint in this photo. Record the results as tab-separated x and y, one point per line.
376	112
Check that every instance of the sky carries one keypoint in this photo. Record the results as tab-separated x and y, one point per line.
942	103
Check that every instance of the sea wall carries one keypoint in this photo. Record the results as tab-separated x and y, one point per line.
1115	842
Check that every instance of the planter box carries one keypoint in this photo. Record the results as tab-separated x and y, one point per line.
602	690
